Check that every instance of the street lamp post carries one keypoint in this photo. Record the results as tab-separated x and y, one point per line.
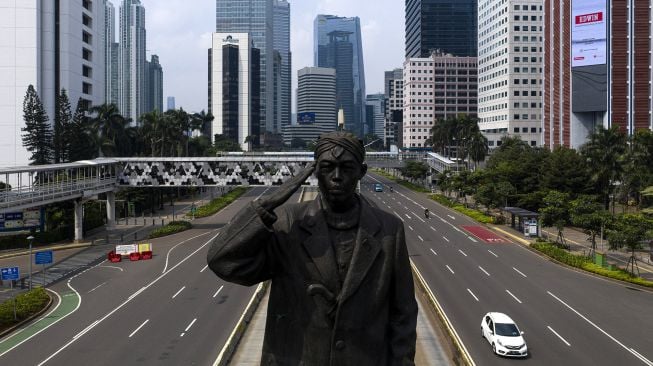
31	239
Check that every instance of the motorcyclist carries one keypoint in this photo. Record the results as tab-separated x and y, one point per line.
426	213
391	189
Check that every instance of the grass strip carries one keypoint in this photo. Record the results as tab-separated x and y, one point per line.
27	304
585	263
219	203
170	228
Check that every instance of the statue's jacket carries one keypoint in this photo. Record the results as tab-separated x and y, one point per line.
370	320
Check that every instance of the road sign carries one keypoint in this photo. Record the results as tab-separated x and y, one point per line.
10	273
44	257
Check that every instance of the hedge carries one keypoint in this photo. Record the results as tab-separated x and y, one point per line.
584	263
474	214
27	304
171	228
219	203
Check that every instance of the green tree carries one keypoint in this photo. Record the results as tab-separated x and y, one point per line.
110	127
638	166
555	212
223	143
37	135
603	153
62	120
630	231
81	137
564	170
588	214
415	170
478	147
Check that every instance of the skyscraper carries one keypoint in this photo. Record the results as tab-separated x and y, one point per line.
254	17
316	105
111	81
510	70
449	26
338	45
154	85
171	103
132	59
282	46
394	106
375	124
235	77
52	46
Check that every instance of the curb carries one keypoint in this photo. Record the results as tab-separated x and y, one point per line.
230	347
28	319
460	347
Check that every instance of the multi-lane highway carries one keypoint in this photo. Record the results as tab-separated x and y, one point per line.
172	310
569	318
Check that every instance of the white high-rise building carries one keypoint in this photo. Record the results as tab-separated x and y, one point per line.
436	88
316	105
235	88
132	59
394	106
510	41
30	54
110	47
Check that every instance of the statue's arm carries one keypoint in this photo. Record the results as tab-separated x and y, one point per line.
403	309
243	252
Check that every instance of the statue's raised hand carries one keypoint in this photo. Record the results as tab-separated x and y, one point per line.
281	195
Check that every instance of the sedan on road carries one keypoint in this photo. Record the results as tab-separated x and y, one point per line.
503	335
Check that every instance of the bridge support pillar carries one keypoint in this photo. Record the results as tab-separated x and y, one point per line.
79	232
111	209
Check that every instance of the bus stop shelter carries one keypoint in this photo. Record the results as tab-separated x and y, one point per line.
524	221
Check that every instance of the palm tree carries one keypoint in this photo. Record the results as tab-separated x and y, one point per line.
604	152
478	148
110	126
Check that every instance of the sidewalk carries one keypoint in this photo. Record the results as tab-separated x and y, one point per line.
71	257
580	244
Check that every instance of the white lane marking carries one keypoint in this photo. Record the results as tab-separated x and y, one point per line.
394	199
89	327
471	293
632	351
399	216
97	287
204	269
52	311
182	334
463	253
472	239
131	297
260	195
139	328
433	251
217	292
443	220
559	336
420	238
432	228
518	271
190	325
451	217
484	271
445	238
410	227
389	207
416	215
407	215
491	252
173	248
136	293
406	208
513	296
383	202
114	267
449	268
177	293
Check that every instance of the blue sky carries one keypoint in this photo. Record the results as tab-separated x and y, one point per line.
179	31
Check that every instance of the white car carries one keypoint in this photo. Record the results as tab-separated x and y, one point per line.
503	335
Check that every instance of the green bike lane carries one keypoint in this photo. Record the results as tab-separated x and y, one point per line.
66	303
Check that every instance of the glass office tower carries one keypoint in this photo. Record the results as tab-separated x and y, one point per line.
338	45
254	17
447	25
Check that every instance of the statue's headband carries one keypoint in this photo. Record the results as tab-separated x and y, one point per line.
346	141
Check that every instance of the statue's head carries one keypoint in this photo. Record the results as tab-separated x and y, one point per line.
340	158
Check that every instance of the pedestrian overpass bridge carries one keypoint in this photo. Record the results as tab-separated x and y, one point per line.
40	185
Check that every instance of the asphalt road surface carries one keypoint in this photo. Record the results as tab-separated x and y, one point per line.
569	318
170	310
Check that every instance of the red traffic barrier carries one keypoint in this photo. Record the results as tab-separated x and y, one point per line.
146	255
114	258
134	256
111	254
